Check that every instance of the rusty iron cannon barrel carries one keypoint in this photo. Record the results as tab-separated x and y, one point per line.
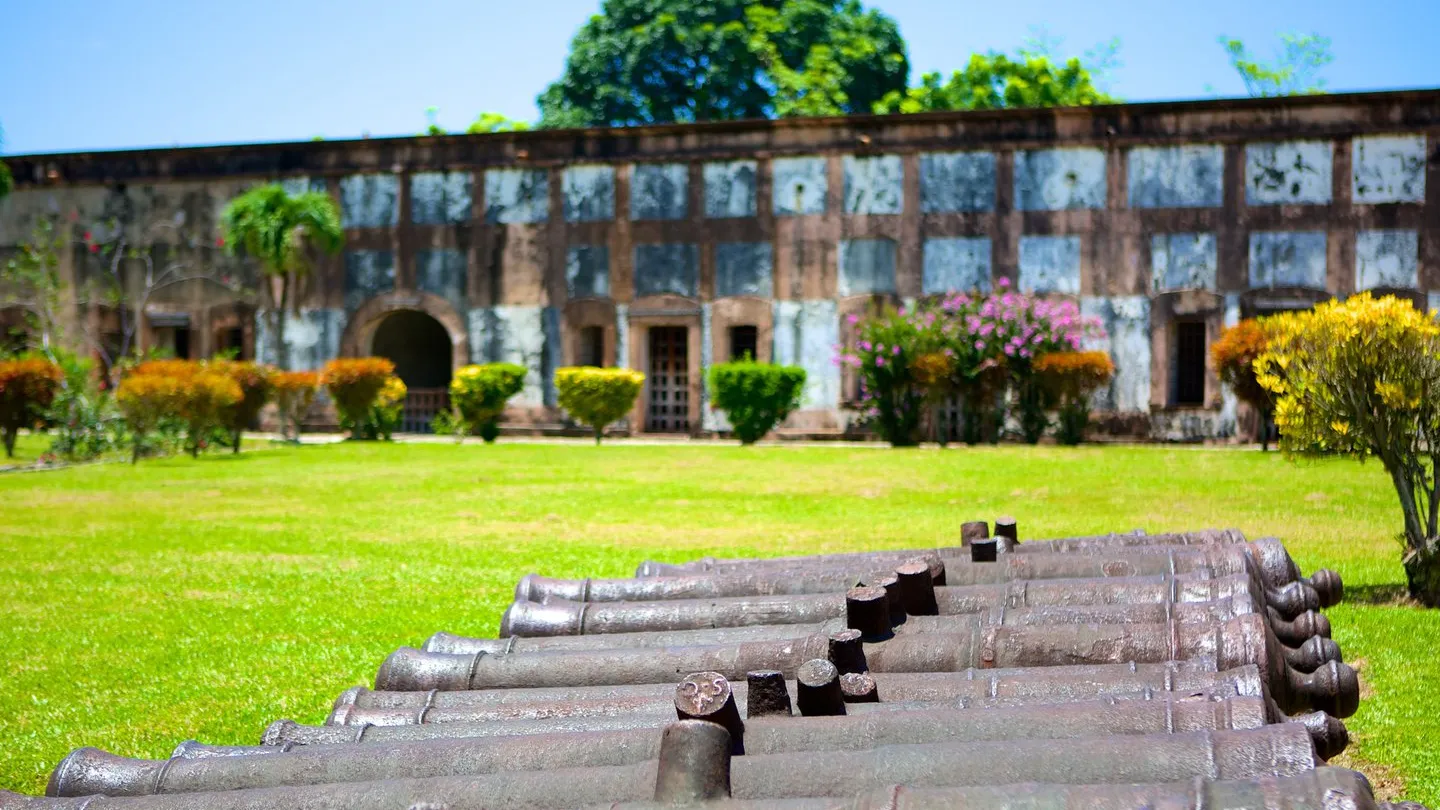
1267	558
969	532
1280	750
1321	787
1309	655
88	771
1243	640
601	714
562	617
999	686
1289	600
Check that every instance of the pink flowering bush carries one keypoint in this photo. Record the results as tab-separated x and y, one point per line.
971	345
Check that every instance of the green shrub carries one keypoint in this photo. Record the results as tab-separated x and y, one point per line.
755	396
478	395
387	412
598	396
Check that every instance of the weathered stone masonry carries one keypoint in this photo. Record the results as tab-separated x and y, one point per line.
1166	221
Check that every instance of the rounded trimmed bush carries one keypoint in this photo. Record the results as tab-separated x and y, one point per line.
598	396
755	396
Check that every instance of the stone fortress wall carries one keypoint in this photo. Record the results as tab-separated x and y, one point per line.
549	248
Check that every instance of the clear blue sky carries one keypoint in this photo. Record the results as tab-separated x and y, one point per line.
107	74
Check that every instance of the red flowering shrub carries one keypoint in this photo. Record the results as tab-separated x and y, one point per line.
256	389
27	387
354	384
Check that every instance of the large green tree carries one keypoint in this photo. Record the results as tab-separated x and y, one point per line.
1033	77
6	181
655	61
1294	71
282	232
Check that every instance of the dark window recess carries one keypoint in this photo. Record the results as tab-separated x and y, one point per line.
1189	369
744	340
591	350
231	341
182	343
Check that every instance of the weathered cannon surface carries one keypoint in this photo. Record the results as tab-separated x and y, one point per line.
88	771
1042	684
1322	787
1281	749
1332	687
1273	561
1082	673
562	616
876	622
1289	598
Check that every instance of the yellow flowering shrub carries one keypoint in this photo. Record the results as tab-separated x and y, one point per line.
388	412
1361	378
597	396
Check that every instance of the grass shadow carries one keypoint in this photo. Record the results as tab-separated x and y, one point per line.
1388	594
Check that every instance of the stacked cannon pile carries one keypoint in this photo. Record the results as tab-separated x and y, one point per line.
1119	671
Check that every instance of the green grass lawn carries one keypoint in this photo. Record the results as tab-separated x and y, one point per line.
146	605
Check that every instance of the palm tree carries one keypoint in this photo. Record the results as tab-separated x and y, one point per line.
281	231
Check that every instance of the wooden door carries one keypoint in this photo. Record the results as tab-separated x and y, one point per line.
668	410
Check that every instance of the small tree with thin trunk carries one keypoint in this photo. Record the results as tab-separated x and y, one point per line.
256	389
282	231
294	394
1361	378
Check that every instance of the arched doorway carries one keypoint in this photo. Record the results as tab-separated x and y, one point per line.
421	350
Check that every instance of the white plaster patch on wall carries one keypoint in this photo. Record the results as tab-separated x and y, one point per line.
1287	259
587	271
370	201
744	268
806	333
730	188
1059	179
1183	261
622	335
1288	172
368	273
441	198
295	186
957	181
799	185
1388	169
1191	176
589	193
512	334
659	191
1050	264
441	271
515	196
874	184
1387	259
312	337
956	265
1232	308
1126	321
866	266
710	419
